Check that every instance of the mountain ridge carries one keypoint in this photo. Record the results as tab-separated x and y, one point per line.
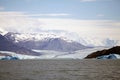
6	45
47	43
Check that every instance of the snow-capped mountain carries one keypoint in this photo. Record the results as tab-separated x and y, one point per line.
44	41
34	36
64	35
50	44
92	41
84	39
6	45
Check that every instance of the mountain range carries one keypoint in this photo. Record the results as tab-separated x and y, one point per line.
44	42
53	44
25	43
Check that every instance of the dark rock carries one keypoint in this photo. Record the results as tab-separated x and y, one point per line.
114	50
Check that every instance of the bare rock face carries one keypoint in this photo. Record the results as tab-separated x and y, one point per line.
114	50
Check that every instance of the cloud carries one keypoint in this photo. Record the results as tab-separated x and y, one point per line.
2	8
12	13
32	15
52	15
88	0
98	28
61	14
22	22
18	22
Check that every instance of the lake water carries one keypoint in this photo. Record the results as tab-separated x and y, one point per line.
63	69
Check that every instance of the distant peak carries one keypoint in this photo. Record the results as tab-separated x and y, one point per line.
3	32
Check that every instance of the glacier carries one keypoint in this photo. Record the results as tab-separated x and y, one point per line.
50	54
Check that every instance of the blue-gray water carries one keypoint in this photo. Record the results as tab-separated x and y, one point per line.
64	69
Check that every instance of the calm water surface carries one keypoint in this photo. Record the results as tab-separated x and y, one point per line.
65	69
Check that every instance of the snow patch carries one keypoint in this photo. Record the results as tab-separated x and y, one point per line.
3	32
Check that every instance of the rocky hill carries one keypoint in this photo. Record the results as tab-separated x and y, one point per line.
114	50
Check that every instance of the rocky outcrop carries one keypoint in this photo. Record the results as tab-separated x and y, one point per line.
114	50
